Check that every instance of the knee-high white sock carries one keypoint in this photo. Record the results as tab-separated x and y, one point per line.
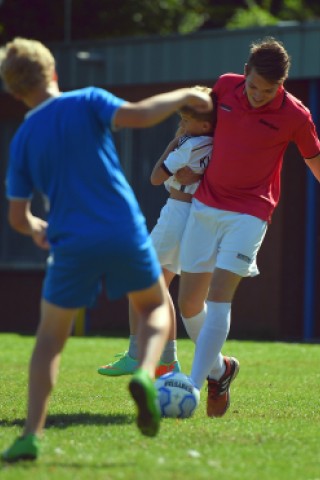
218	368
210	340
194	324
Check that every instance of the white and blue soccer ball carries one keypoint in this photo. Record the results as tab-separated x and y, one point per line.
178	396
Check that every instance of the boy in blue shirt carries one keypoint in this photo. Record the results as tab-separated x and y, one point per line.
94	230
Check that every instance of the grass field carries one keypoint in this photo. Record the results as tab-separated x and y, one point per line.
271	431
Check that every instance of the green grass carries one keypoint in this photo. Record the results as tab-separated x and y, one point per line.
271	431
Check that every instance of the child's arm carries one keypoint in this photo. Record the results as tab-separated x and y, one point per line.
23	221
159	174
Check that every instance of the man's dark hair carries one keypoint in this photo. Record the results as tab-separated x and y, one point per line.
270	60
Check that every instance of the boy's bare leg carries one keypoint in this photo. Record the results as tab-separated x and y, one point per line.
134	317
127	363
152	307
168	277
53	331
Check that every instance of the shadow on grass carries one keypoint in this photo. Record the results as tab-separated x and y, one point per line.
32	466
62	420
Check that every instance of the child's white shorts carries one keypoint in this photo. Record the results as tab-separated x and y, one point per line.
223	239
167	233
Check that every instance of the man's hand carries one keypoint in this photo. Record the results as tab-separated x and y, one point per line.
186	176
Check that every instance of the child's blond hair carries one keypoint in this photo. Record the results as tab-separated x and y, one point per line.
25	65
205	116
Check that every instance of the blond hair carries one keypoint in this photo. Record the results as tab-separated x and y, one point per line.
26	65
201	116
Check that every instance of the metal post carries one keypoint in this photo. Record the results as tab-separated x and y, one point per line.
310	232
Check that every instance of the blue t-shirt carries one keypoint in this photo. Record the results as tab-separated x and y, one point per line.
65	150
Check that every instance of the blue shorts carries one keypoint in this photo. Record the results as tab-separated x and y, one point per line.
74	276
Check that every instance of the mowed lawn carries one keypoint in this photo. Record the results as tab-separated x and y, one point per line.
271	431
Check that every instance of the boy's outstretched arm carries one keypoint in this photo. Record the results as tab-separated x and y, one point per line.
155	109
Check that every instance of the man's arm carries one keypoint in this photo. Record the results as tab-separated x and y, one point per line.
314	165
22	220
155	109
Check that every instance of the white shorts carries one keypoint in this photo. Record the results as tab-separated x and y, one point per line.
167	233
223	239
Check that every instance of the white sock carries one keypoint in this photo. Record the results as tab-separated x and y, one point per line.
218	369
169	353
194	324
210	341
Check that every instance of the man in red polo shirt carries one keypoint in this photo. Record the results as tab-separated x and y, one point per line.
256	120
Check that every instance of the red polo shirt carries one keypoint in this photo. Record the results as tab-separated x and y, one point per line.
249	144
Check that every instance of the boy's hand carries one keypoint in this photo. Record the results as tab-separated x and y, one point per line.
39	233
200	101
186	176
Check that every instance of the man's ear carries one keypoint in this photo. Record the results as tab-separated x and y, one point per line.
246	69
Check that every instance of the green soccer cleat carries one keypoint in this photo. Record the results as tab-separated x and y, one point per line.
126	365
23	448
144	394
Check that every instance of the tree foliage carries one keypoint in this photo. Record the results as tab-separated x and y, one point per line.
50	20
62	20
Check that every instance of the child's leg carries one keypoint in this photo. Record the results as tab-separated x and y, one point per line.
169	354
169	361
152	307
168	277
53	331
127	362
134	318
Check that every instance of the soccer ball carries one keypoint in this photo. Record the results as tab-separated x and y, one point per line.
178	396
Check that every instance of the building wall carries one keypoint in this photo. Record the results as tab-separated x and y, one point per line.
179	58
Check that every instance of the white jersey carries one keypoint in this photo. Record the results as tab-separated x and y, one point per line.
194	152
